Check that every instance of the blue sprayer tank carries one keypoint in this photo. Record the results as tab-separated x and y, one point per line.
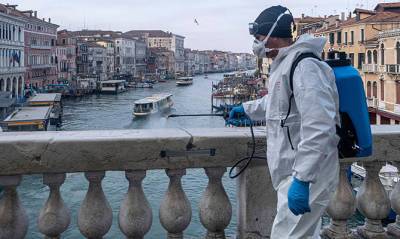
355	131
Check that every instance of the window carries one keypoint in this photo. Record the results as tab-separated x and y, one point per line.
362	35
339	37
351	55
398	53
382	54
397	92
375	90
369	57
375	56
351	37
382	90
369	89
361	60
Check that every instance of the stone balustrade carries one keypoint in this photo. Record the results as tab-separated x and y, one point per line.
53	154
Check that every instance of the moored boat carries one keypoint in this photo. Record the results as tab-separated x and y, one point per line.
112	86
28	119
152	104
49	99
184	81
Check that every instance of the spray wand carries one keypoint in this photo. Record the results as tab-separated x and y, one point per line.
248	159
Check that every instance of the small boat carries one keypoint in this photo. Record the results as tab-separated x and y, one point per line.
112	86
184	81
152	104
143	85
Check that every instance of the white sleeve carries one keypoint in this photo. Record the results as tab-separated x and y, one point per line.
316	99
256	109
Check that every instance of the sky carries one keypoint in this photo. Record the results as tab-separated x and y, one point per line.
222	24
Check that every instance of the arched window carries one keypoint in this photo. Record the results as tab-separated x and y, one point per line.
369	57
369	89
375	90
398	53
375	56
382	90
382	54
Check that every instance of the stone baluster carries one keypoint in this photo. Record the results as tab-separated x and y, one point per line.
54	218
95	214
175	209
215	207
341	207
393	229
373	203
13	218
135	215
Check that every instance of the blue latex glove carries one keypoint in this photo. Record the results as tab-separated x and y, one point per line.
298	197
236	112
235	116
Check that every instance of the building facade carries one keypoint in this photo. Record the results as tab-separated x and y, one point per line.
40	51
369	38
125	55
12	70
140	58
166	40
66	56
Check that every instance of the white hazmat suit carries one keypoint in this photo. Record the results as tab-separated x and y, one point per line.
312	127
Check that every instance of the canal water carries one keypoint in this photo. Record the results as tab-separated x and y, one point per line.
107	112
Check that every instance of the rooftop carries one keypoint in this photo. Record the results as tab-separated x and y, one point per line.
46	97
29	113
152	99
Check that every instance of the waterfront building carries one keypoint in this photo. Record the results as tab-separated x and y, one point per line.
307	24
66	56
97	59
189	62
40	50
125	55
161	63
140	58
369	38
168	40
12	70
109	45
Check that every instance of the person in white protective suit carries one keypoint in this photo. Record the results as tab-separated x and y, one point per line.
301	150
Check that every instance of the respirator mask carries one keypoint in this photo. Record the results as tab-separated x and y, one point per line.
259	48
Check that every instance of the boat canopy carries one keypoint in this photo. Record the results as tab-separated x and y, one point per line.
152	99
50	97
185	78
29	114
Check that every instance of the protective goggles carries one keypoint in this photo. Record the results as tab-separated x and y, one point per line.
254	27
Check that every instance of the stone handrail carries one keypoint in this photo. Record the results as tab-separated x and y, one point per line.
54	154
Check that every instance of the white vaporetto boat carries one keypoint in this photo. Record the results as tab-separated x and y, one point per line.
183	81
152	104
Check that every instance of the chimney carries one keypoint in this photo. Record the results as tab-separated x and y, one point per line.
349	17
43	19
49	20
324	16
302	16
342	16
35	14
337	22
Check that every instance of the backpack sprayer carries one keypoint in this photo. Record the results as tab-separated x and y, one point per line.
247	159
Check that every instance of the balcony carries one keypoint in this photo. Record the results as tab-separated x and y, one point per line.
372	102
370	68
393	69
41	47
53	154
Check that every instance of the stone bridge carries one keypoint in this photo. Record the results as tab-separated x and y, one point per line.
53	154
